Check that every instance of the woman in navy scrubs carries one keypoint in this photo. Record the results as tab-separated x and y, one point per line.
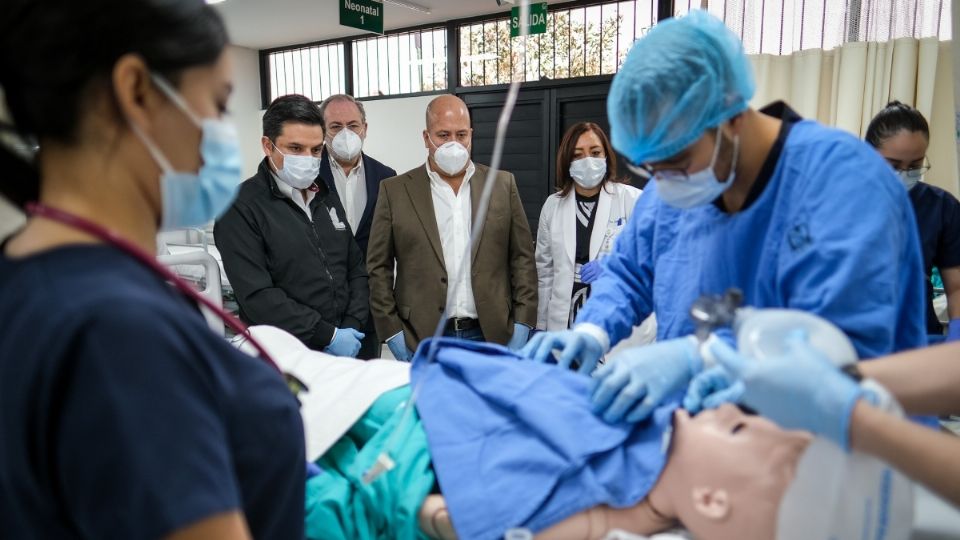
121	414
901	135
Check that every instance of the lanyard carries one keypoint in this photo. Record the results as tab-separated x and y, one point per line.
112	238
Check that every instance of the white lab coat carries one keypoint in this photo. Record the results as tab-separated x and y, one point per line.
556	252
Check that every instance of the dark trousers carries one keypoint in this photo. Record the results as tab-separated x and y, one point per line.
370	344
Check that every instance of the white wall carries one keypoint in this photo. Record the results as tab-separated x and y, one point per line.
244	106
394	136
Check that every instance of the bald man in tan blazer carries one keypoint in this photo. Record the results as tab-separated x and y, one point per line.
421	226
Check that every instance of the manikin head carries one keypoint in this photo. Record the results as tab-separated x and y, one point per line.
727	473
734	476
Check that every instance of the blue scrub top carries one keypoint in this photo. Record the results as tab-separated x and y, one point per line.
832	233
938	219
123	416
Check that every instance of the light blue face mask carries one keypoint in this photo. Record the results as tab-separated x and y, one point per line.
910	177
192	199
699	188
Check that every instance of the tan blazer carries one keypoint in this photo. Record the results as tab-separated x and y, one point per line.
404	230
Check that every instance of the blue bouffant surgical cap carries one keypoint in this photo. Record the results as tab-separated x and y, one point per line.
685	76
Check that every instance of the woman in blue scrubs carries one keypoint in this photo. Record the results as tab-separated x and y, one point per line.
122	415
792	213
901	135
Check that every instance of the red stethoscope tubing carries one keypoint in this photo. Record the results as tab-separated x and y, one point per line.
124	245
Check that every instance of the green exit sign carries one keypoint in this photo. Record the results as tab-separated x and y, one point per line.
362	14
537	22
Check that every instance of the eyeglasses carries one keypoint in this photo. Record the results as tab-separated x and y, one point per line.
671	174
916	172
356	128
647	172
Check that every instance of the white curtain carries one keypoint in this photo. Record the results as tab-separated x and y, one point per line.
846	86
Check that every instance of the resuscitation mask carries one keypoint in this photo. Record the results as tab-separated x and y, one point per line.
346	146
588	172
701	187
298	172
451	156
192	199
910	177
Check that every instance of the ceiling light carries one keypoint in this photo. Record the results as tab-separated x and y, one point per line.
404	3
215	1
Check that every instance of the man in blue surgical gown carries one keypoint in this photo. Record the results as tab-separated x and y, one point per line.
793	213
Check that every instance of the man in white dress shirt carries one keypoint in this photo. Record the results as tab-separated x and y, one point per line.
354	176
421	228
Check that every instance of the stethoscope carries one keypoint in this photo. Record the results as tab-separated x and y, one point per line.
124	245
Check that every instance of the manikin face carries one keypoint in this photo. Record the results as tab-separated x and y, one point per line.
728	472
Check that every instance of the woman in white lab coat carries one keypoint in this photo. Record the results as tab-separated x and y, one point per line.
578	225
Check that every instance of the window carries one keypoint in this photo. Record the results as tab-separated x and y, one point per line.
579	42
786	26
400	63
315	71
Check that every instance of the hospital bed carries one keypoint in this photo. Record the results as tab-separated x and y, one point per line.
192	257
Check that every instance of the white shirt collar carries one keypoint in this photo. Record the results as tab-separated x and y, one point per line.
335	163
293	194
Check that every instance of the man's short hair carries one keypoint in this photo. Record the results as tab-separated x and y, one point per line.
342	97
290	108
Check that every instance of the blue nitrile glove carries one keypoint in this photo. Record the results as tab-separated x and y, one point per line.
572	345
346	342
953	330
520	334
399	348
710	389
800	390
636	381
590	271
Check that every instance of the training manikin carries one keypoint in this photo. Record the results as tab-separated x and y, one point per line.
520	447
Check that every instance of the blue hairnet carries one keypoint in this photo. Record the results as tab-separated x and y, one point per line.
685	76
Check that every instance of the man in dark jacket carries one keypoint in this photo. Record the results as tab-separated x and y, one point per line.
354	176
287	247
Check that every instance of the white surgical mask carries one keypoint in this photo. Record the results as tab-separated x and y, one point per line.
451	157
588	172
701	187
910	178
298	172
346	146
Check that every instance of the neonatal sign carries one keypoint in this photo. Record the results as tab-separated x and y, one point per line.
536	23
362	14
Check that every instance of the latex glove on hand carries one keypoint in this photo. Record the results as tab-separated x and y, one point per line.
398	347
953	330
346	342
520	334
710	389
633	383
573	345
800	390
590	271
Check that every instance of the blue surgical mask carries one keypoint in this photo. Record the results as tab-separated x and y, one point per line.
910	178
192	199
701	187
